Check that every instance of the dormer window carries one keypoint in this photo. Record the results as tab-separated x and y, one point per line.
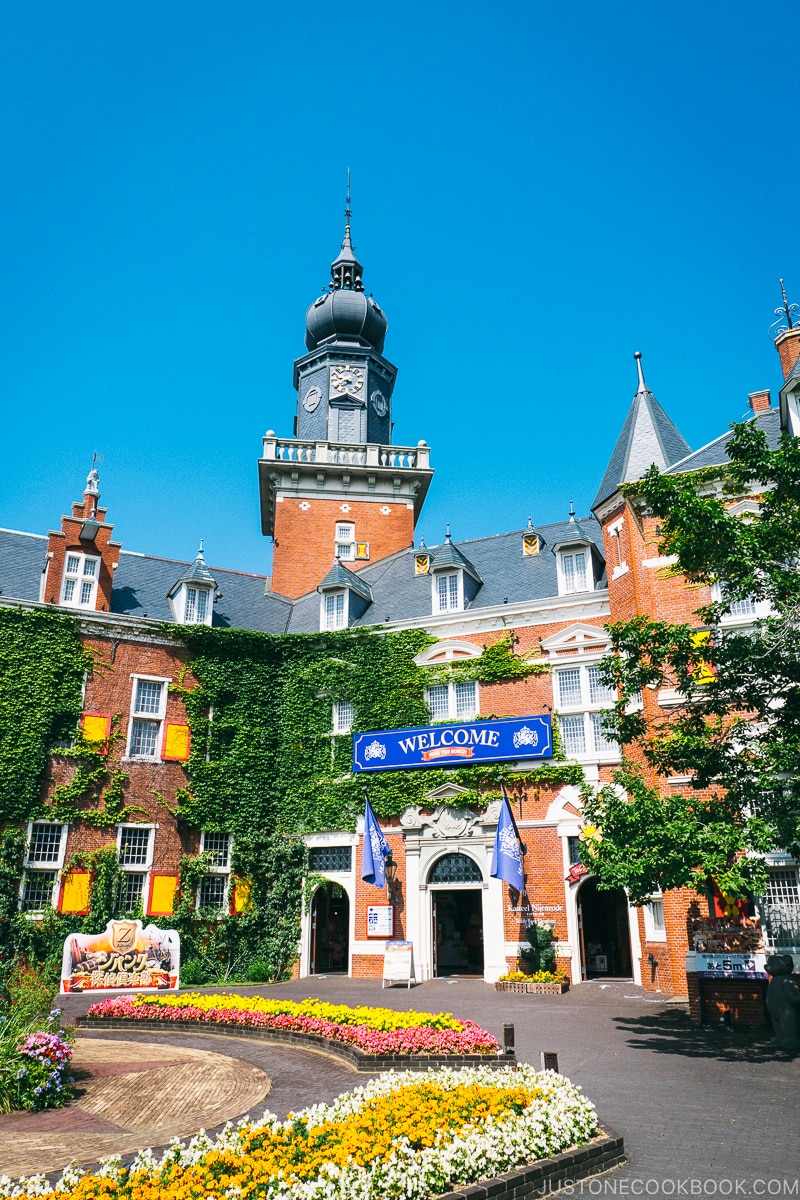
81	574
197	606
334	610
447	592
574	572
345	542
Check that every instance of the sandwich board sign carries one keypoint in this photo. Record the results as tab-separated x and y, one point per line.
398	963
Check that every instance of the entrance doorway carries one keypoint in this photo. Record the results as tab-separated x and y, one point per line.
457	931
605	932
330	930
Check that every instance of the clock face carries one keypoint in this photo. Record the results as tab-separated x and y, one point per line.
380	403
347	379
311	399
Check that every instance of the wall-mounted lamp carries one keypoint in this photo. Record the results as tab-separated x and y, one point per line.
391	875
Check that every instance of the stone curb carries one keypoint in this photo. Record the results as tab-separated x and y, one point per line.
351	1055
548	1175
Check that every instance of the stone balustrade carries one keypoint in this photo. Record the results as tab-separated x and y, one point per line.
292	450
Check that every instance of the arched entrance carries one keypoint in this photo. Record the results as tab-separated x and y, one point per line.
456	885
604	932
330	930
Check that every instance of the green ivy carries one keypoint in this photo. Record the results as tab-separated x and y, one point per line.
42	667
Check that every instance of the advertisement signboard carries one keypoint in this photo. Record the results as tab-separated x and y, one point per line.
124	956
509	739
723	965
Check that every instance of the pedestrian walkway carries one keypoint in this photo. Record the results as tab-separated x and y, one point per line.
717	1107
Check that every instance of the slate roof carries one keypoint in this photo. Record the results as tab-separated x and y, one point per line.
648	436
340	576
449	555
716	453
142	583
23	557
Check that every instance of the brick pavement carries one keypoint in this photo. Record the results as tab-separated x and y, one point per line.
705	1104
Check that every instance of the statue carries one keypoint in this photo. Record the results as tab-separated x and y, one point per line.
783	1001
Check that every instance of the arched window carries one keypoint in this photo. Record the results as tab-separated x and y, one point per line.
455	868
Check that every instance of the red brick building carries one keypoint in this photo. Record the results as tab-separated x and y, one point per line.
340	502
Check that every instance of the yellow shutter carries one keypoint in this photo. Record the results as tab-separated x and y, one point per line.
95	726
177	741
702	672
162	895
241	895
75	892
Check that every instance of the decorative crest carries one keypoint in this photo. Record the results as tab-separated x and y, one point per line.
642	385
571	511
346	270
447	536
788	316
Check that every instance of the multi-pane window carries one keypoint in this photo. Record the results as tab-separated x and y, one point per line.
446	592
342	716
575	572
780	909
79	587
583	732
654	914
149	705
134	845
212	892
132	891
217	848
345	541
45	844
453	701
196	606
330	858
575	851
737	608
38	889
45	849
334	610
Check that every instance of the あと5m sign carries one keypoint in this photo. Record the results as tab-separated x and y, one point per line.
506	740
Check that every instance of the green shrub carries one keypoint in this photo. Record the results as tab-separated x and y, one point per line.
260	972
540	955
193	973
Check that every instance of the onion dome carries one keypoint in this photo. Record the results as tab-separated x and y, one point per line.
345	313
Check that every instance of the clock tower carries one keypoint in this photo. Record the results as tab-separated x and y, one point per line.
339	488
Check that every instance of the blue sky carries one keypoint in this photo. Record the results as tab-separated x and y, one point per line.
538	191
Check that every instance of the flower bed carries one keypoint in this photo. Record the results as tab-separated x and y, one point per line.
34	1062
400	1136
541	983
375	1031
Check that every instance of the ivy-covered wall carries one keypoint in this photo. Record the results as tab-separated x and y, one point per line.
264	765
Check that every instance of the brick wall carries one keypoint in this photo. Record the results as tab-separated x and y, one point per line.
305	537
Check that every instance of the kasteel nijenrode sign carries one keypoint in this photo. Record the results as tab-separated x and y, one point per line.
506	740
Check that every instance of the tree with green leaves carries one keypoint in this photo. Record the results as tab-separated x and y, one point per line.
736	730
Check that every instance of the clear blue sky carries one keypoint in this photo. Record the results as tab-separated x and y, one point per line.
539	189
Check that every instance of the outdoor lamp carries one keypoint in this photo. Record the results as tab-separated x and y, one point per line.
391	873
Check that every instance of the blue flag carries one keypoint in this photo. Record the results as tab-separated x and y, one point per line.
507	857
375	852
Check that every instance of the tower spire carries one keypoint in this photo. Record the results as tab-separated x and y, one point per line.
642	385
346	270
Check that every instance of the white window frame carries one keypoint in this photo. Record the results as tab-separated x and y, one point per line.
452	705
190	604
142	869
79	578
564	588
327	626
156	719
583	707
342	717
223	872
780	863
436	576
33	867
761	608
652	932
345	541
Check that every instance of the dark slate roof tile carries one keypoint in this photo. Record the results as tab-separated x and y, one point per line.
715	454
23	557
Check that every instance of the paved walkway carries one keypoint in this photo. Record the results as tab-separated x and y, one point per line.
712	1106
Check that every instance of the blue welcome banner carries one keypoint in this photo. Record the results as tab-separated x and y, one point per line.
511	738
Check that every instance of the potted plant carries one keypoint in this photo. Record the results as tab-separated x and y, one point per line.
541	975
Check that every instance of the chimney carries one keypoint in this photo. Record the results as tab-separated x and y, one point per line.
759	401
788	347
